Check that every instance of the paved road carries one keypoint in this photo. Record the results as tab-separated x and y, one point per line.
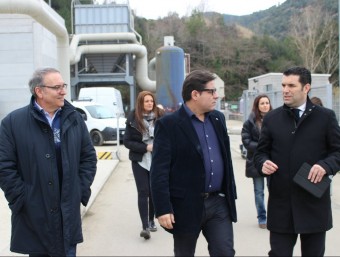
112	225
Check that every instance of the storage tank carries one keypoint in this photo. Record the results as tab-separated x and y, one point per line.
170	73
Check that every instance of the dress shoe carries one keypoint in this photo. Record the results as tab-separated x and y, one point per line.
145	233
152	226
263	226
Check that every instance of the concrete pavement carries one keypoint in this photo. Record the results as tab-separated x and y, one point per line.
112	225
104	170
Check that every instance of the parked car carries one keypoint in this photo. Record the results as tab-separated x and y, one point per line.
100	121
108	96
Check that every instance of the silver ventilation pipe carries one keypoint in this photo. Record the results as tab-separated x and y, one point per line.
138	50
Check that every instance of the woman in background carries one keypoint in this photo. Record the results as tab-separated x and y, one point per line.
138	139
316	100
250	136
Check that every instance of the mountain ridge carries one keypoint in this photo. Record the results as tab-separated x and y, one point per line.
274	20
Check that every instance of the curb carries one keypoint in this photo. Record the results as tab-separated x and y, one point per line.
104	171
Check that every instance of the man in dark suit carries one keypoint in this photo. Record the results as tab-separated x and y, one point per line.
192	178
285	144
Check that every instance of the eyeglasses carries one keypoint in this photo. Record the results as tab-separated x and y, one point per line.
212	91
56	87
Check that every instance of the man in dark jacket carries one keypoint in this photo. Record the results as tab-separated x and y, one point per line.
285	144
47	165
192	178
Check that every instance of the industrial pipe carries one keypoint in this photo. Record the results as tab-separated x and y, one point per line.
131	37
38	10
138	50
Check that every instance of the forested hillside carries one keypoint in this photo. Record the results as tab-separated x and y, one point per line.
303	32
275	20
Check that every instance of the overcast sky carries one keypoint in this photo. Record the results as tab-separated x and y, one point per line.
153	9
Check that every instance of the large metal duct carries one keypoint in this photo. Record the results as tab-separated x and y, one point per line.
141	59
130	37
37	9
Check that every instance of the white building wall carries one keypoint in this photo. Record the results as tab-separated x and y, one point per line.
271	84
261	83
24	46
219	85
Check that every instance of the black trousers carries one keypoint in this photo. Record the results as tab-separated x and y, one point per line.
282	244
145	204
216	227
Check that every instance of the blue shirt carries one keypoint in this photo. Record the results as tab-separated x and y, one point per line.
212	154
54	122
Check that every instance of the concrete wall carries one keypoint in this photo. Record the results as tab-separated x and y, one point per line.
25	46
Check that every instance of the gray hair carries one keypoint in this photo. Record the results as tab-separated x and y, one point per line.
38	76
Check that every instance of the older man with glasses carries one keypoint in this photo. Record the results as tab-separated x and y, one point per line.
47	165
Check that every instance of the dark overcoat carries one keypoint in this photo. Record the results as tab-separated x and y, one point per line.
177	170
250	135
45	219
315	140
133	139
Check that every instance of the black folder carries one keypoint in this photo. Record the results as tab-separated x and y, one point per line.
316	189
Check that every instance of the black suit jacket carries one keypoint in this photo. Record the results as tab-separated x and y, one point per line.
177	170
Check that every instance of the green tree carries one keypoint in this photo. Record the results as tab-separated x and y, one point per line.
63	8
195	24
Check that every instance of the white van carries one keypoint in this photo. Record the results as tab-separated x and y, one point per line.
108	96
100	122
